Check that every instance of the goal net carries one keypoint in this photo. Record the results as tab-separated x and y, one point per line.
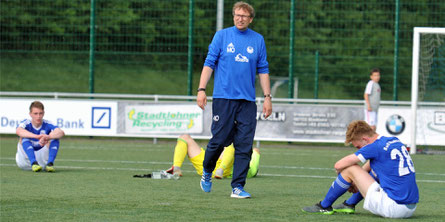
428	75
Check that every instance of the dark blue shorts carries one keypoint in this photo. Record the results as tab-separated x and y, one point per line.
233	121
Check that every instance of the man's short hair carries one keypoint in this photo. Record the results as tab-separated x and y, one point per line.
36	104
374	70
245	6
357	129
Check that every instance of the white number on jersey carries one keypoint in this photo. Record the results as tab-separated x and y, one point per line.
402	155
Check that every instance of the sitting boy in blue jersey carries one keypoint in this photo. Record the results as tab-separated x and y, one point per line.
394	194
39	141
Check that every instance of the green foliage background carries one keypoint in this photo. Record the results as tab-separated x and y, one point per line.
152	36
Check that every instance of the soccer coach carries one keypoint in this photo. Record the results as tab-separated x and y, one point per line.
236	54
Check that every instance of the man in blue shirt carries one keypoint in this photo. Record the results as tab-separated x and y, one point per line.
395	195
39	141
236	54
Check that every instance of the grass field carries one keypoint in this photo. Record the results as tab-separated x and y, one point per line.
94	182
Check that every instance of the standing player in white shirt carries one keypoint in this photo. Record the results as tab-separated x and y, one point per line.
372	98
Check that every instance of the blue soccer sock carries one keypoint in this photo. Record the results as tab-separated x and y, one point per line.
29	150
357	197
354	199
53	149
338	188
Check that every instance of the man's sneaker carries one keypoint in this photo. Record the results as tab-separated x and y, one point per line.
36	167
345	208
219	173
175	171
50	167
318	209
239	192
206	181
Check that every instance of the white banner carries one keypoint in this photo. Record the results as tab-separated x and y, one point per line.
85	118
396	121
148	119
299	123
307	123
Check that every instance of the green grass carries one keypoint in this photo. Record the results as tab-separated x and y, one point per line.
94	182
49	74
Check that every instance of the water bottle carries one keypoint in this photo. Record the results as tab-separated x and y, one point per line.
164	175
156	175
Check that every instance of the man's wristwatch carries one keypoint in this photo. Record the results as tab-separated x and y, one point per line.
268	95
201	89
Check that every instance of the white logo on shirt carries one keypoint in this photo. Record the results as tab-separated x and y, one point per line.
250	49
231	48
241	58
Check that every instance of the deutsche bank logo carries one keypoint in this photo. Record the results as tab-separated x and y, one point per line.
101	117
395	124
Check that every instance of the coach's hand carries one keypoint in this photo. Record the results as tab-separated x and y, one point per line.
267	107
201	99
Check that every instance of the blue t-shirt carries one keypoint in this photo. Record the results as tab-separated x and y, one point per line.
236	57
391	162
46	128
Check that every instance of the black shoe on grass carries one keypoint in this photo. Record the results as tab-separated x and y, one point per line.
345	208
318	209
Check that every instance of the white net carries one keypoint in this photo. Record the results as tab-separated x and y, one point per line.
432	67
427	123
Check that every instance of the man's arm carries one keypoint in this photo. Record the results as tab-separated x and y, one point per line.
345	162
265	85
368	105
57	133
23	133
201	97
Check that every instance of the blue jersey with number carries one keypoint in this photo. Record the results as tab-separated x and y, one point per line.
391	162
236	57
46	128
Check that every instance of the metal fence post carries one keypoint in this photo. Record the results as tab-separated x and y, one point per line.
92	43
316	75
396	49
291	50
190	49
219	15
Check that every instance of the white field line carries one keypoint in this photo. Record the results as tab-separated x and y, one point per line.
170	163
161	148
190	171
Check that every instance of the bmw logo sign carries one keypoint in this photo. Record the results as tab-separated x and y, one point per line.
395	124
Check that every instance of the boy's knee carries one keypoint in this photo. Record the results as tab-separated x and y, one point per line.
352	169
351	172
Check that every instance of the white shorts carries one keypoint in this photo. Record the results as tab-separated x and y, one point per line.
378	202
22	159
371	117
